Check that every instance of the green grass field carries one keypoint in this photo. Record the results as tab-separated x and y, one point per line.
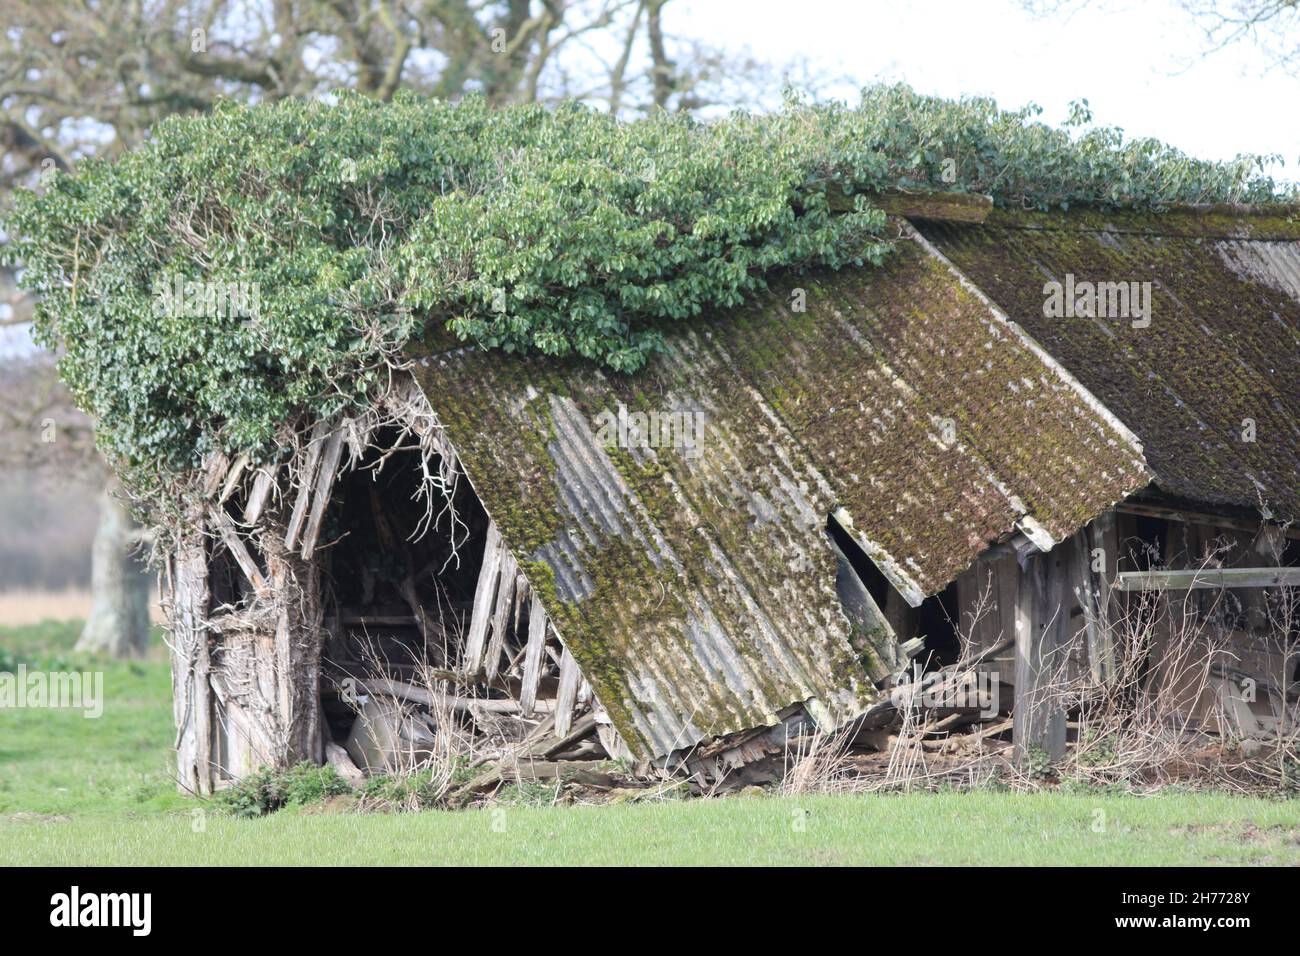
97	792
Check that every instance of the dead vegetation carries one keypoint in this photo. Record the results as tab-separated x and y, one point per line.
1177	704
1165	711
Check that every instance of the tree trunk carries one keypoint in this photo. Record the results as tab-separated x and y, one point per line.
118	625
663	70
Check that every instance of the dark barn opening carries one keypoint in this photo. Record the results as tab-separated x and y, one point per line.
398	579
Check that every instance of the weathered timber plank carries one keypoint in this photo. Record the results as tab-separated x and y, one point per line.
263	482
533	656
239	551
191	691
1041	610
329	466
567	694
484	592
214	471
1200	517
233	475
306	479
505	599
1207	578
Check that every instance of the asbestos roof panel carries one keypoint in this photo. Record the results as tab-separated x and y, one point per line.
1222	349
697	592
695	584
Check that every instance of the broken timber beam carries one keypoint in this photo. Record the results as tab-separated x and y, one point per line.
329	466
239	551
533	655
263	483
1207	578
484	592
543	749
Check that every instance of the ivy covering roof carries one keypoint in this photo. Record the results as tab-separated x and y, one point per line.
1212	386
253	269
697	590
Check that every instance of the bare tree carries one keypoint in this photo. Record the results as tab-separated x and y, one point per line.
1271	26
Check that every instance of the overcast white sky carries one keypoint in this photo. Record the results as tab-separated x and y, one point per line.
1137	62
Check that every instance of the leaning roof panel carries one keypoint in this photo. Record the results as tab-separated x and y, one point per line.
695	584
1212	385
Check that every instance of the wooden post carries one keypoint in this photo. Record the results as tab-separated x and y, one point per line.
246	680
1042	613
1104	537
296	662
191	689
533	656
481	615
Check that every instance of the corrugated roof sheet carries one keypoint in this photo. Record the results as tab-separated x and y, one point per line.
697	590
697	593
1223	347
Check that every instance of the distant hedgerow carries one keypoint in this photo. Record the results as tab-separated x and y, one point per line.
258	264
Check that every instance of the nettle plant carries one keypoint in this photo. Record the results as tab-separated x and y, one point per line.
359	226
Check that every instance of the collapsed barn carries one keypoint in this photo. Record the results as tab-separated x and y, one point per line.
852	482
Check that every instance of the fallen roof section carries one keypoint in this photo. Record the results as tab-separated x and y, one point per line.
696	591
693	581
1212	385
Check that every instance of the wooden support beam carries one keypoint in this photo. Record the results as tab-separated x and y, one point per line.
1207	578
505	601
239	551
1103	535
493	550
306	479
1201	517
191	688
533	655
1041	617
567	694
263	482
329	466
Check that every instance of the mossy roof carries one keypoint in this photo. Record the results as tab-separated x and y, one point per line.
1212	386
696	587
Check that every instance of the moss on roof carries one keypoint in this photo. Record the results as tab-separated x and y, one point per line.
1280	221
698	592
1222	350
